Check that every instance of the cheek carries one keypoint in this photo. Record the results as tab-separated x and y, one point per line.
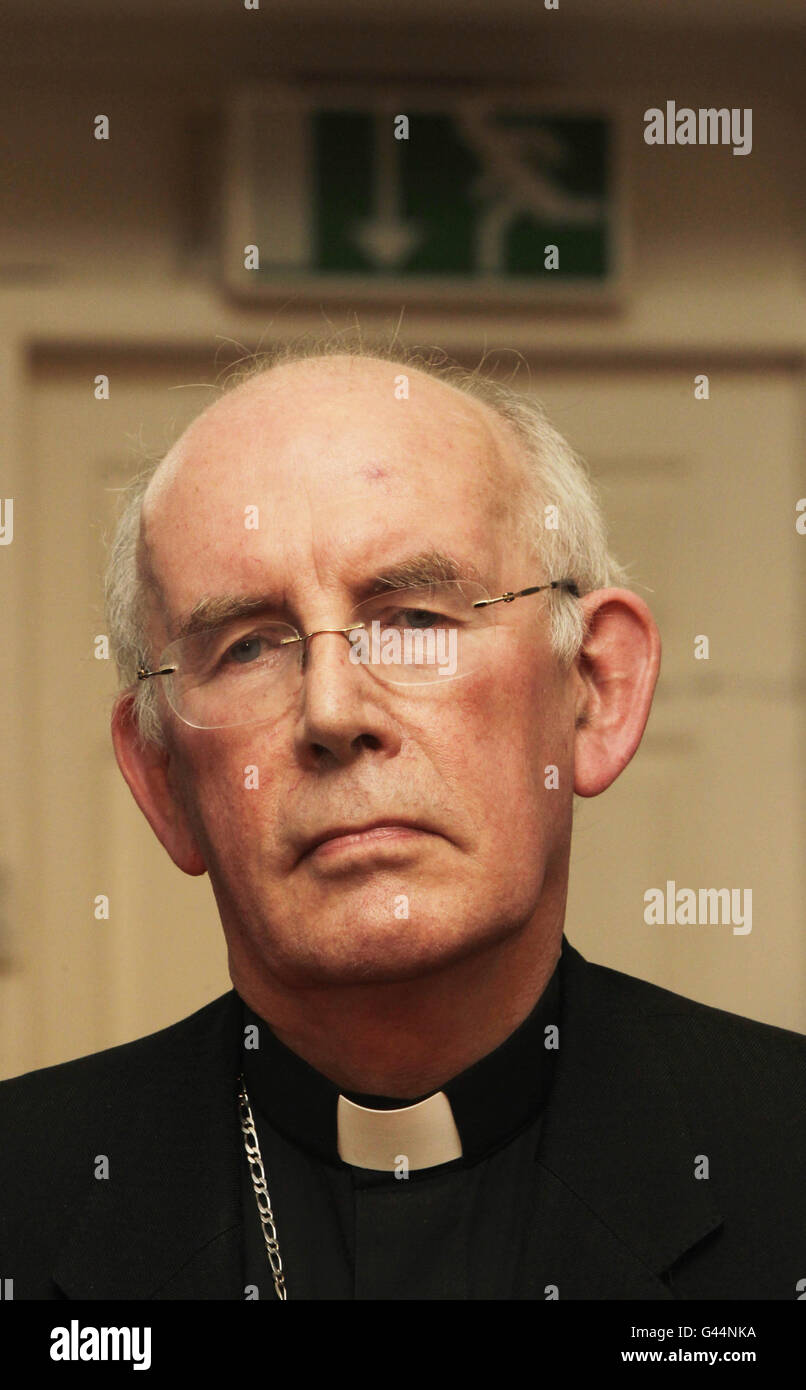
516	729
488	744
228	787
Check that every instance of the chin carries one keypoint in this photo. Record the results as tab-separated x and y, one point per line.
375	952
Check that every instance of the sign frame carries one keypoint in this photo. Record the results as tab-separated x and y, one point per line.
485	292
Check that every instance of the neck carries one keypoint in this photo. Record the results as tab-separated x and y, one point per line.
407	1038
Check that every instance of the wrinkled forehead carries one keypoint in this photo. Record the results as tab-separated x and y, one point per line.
306	475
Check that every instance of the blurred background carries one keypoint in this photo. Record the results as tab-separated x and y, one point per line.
126	258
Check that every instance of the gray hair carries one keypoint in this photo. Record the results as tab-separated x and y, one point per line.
554	477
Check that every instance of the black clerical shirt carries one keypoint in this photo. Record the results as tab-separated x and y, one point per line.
458	1230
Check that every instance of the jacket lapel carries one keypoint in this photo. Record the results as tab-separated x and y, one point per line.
618	1202
167	1222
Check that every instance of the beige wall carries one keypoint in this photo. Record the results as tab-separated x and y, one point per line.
109	263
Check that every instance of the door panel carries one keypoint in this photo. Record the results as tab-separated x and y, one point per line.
700	498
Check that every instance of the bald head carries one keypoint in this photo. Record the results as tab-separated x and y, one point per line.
296	460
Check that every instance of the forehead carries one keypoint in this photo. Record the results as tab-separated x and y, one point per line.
314	471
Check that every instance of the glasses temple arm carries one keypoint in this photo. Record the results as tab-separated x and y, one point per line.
508	597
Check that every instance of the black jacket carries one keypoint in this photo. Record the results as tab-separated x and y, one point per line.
648	1084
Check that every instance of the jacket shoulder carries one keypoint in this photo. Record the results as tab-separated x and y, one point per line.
629	994
130	1057
721	1061
105	1090
114	1114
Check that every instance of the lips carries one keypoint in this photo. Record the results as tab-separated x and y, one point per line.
337	831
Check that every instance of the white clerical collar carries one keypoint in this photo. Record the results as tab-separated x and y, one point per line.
474	1114
420	1135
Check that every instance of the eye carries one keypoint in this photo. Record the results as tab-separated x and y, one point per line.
245	650
415	617
418	618
252	648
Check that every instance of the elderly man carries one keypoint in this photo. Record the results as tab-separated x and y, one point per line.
370	647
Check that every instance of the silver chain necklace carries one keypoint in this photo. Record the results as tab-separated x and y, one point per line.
262	1198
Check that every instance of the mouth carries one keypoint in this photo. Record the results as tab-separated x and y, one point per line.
341	838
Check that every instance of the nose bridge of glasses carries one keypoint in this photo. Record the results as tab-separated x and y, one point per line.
305	637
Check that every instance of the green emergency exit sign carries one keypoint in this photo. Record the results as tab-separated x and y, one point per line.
456	200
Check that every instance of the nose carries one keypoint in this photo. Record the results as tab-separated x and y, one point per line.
341	710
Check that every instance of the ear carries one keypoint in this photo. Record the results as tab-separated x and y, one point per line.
146	769
617	670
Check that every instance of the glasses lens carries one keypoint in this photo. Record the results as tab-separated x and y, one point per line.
235	674
425	633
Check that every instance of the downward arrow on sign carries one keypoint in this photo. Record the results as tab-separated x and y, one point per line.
385	238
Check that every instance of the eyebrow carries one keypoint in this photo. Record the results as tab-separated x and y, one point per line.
427	567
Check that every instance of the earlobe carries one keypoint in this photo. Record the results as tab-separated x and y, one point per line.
618	668
146	771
